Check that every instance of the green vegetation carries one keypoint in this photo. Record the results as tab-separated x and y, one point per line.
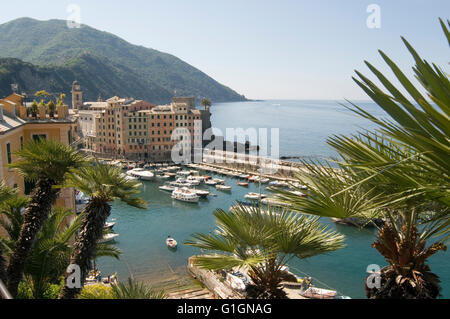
129	290
103	63
263	241
103	184
398	172
45	163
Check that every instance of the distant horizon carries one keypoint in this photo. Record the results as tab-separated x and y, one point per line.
268	51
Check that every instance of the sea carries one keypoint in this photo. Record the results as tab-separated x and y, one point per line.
303	127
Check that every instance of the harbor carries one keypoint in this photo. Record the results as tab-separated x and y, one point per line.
143	234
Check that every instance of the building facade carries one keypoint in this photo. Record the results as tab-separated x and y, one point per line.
138	130
18	126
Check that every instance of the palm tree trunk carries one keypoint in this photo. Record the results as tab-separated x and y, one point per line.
36	213
96	213
3	275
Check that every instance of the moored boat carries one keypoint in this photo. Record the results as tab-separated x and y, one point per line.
107	238
254	196
242	184
171	243
223	187
185	195
167	188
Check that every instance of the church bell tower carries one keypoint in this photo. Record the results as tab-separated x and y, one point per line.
77	96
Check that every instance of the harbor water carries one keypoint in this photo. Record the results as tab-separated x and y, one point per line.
304	127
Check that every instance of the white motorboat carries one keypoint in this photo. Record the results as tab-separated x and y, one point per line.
109	225
193	181
185	195
184	173
142	174
171	243
162	176
219	181
255	196
167	188
223	187
200	192
107	238
210	182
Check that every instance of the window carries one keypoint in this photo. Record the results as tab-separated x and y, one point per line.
37	137
8	152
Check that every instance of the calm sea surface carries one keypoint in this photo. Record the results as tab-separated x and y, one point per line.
304	127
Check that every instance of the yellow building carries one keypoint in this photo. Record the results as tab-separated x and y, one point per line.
17	127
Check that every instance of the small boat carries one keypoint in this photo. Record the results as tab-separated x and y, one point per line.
162	176
109	225
184	173
210	182
167	188
141	174
171	243
219	181
193	181
242	184
200	192
254	196
223	187
244	176
185	195
107	238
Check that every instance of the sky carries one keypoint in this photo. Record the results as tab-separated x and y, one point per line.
284	49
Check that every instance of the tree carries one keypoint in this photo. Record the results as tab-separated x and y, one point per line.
51	254
398	172
5	194
263	241
103	184
45	163
206	102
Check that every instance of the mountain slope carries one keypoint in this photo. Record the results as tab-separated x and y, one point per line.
99	78
46	43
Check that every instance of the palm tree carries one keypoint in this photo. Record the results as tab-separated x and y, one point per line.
103	184
45	163
5	194
399	172
263	241
206	102
135	290
51	254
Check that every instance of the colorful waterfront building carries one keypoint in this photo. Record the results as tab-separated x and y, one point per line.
139	130
18	125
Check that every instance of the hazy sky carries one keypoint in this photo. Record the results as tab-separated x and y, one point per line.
284	49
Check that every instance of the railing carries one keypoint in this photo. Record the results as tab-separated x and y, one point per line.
4	293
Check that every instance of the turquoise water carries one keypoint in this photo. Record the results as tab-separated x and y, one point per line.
304	126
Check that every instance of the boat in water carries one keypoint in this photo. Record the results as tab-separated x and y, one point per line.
185	195
109	225
171	243
107	238
141	174
200	192
242	184
167	188
210	182
223	187
255	196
